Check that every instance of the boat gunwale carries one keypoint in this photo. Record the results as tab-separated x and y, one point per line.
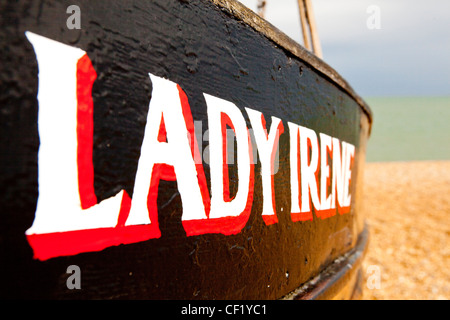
262	26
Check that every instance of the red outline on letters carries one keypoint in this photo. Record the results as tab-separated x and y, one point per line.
272	219
225	225
50	245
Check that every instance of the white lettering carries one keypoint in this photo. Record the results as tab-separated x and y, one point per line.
309	161
325	147
165	104
267	146
219	207
59	205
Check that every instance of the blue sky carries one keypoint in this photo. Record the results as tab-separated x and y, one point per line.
409	55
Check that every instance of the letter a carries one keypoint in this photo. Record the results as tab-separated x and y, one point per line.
176	152
74	21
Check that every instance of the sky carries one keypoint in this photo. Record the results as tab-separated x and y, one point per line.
404	50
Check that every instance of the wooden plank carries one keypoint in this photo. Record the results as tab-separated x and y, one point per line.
304	25
312	24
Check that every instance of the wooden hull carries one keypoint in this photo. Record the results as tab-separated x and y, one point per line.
183	62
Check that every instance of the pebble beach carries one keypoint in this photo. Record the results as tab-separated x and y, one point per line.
407	208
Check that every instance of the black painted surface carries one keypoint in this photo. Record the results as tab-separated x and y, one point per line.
204	50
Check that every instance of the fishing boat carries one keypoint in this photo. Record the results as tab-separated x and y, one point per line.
175	149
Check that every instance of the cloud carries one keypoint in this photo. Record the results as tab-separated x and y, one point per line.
408	55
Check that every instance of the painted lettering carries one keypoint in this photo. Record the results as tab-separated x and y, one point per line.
69	219
267	144
306	162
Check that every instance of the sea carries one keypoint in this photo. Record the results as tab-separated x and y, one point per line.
409	129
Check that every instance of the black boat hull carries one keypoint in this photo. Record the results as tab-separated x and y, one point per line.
195	55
